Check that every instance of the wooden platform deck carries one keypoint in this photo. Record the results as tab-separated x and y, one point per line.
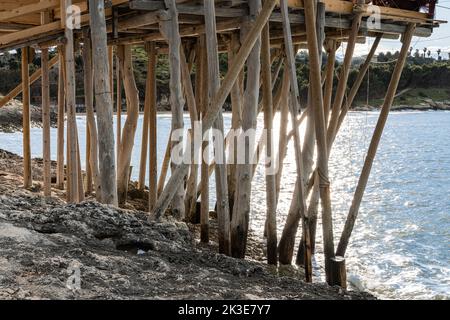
136	21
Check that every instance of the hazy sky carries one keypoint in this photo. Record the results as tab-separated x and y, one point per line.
440	39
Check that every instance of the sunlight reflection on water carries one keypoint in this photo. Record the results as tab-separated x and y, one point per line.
400	245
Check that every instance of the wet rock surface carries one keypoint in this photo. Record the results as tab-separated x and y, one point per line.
120	254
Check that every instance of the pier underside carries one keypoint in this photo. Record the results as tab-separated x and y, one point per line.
260	40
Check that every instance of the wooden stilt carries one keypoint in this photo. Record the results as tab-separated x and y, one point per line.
145	125
312	209
322	151
89	181
104	104
153	147
118	106
204	168
45	18
129	128
169	29
330	47
92	151
60	122
271	199
241	209
46	123
71	110
27	179
373	147
283	139
164	167
236	106
298	208
190	199
223	213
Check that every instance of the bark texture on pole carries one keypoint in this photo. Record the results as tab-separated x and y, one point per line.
72	146
104	104
223	208
153	147
241	208
271	196
129	128
90	117
60	122
169	29
27	179
46	123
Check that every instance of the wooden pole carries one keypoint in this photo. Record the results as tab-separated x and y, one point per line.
46	123
104	104
190	198
233	73
236	106
271	196
90	117
241	209
153	146
373	147
223	208
331	47
204	168
71	110
60	122
145	124
45	18
287	241
169	29
129	128
118	105
164	167
345	71
27	179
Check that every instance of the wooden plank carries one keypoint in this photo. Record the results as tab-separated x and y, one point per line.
27	9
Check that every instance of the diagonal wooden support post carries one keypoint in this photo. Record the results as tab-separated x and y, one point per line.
287	241
223	208
373	147
217	102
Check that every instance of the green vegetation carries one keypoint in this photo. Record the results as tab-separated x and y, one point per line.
424	77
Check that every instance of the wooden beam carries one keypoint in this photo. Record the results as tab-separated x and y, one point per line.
28	9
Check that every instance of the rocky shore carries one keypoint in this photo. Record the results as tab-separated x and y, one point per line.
11	116
426	105
53	250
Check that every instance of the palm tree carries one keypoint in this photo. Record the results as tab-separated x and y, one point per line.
439	51
425	52
429	53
